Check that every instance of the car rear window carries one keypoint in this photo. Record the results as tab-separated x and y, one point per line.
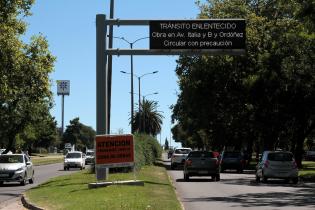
73	155
201	154
231	155
182	151
280	156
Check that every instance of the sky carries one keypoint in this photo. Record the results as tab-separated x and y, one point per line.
69	26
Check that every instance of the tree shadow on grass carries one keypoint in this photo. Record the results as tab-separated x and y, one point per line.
300	198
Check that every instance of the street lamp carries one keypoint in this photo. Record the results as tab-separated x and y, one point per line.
139	85
131	71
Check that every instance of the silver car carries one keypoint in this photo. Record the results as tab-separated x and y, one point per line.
89	159
16	168
179	156
277	164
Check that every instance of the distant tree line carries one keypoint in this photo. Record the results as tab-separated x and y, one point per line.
262	100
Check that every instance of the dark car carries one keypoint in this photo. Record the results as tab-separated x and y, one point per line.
233	160
170	153
310	155
202	163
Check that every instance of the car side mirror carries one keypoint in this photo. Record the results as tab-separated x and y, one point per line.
28	163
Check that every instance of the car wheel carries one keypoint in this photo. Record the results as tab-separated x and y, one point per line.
257	178
186	177
264	179
31	180
240	171
217	177
295	180
172	166
23	182
65	168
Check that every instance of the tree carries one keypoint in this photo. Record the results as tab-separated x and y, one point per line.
24	70
265	98
149	120
80	135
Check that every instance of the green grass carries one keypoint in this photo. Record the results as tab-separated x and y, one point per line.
48	159
71	192
308	170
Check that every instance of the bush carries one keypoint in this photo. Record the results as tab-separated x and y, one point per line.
147	150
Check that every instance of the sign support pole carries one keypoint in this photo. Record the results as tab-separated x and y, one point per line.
62	113
101	85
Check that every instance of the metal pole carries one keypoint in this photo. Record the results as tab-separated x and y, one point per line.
131	75
143	113
62	113
101	93
139	78
101	85
110	66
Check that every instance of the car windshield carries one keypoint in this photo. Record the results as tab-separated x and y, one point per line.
11	159
182	151
280	156
73	155
231	155
90	153
201	154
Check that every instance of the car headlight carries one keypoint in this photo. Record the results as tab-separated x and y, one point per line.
19	170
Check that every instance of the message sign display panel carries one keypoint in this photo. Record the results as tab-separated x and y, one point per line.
63	87
198	34
114	150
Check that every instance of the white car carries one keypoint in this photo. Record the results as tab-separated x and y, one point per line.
179	155
74	159
16	168
277	164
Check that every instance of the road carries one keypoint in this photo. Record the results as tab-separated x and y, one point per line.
240	191
11	191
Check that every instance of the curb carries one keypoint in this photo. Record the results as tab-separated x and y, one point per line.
29	205
105	184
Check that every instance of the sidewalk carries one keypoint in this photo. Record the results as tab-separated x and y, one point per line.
12	204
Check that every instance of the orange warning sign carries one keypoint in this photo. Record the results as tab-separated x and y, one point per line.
114	150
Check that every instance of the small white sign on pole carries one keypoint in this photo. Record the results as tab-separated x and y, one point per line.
63	87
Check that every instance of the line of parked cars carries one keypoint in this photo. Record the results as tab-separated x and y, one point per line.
272	164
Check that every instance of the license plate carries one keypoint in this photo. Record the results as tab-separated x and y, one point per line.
203	172
4	175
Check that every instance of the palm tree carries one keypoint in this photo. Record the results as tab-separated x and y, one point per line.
149	120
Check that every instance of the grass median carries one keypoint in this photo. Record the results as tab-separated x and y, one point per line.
307	173
71	192
46	159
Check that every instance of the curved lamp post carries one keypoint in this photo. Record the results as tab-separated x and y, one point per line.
139	85
131	70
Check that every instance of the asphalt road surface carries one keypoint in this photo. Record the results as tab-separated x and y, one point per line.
11	191
240	191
